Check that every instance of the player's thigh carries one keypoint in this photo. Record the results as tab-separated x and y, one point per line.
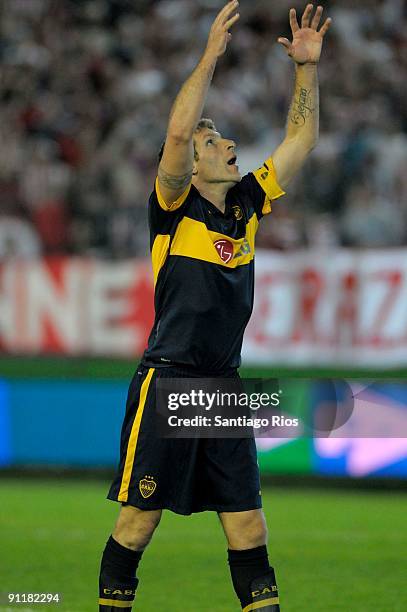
244	530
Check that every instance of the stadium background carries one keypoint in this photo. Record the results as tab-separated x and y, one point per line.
84	97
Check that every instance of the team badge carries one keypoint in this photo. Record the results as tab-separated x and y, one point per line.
225	250
147	486
238	212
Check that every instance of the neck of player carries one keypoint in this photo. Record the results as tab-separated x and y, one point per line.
214	192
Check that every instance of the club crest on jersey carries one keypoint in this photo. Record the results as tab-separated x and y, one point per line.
237	212
225	249
147	486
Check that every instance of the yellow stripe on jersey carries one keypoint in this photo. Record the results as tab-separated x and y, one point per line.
132	445
193	239
159	253
267	179
174	205
261	604
115	603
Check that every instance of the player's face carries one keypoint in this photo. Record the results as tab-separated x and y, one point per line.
216	158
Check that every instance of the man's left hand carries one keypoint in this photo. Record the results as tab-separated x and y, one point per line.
307	39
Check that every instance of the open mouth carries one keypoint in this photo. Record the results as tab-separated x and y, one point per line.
232	161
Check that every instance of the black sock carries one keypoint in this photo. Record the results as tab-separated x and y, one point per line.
117	580
253	579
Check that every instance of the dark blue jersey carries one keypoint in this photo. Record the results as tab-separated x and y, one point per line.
203	264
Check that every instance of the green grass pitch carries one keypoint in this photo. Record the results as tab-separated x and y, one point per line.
333	550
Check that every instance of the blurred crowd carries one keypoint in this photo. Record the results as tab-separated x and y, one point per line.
85	92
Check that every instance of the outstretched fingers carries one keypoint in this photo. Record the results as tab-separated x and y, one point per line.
325	27
227	10
285	42
306	16
232	21
293	21
306	20
317	18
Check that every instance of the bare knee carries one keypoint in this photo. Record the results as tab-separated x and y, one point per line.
244	530
134	528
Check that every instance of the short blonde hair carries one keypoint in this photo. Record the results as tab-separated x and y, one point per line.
203	124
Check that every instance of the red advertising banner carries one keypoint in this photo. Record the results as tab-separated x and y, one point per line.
75	306
330	308
340	308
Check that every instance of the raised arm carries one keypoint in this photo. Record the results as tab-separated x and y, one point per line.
303	118
175	169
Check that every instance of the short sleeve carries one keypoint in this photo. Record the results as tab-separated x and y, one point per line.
174	205
265	188
163	220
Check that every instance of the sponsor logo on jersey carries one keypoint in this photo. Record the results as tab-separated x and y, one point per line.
147	486
244	249
225	249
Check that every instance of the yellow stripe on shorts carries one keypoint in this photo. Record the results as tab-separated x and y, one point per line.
261	604
131	448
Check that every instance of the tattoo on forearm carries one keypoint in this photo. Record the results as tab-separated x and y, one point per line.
172	181
302	106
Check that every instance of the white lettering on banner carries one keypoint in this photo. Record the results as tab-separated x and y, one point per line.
343	307
108	306
53	294
75	306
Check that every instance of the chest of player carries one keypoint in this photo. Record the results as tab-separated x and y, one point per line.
223	238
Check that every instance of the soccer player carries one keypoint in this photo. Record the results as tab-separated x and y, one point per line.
203	219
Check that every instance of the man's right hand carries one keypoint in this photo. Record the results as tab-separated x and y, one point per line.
219	35
176	166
